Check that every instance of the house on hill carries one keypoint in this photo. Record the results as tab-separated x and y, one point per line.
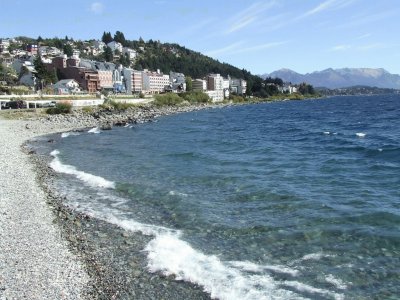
66	87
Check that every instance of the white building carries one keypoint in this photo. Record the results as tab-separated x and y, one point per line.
238	86
154	82
216	95
131	53
215	82
4	44
99	45
66	86
226	84
50	51
115	46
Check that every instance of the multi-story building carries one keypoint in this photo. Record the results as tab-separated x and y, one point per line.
216	95
105	79
137	81
199	85
127	74
59	62
226	83
154	82
238	86
215	82
104	70
133	81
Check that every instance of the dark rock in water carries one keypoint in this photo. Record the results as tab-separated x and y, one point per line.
50	141
106	126
120	123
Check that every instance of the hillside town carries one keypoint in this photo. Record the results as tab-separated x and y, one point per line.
84	71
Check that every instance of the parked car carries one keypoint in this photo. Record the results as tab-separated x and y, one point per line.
49	104
17	104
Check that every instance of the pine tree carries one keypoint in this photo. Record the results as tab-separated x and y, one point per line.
120	38
107	38
108	54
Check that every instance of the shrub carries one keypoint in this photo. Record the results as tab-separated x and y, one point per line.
141	95
110	104
87	109
60	108
195	97
237	99
169	99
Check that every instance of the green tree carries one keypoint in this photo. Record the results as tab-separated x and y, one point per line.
120	38
107	38
108	54
68	50
13	46
189	83
44	75
124	60
8	74
305	88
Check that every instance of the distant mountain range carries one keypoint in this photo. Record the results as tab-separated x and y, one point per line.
341	78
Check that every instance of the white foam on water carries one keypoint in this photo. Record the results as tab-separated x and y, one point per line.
315	256
361	134
94	130
171	256
88	179
327	132
312	290
67	134
173	193
252	267
134	226
339	284
167	253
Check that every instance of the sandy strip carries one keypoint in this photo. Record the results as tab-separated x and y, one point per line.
35	262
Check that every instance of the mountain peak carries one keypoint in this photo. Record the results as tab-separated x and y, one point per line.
343	77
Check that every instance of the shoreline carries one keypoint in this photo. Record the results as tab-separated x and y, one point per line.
114	268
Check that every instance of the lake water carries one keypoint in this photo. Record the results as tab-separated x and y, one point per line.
287	200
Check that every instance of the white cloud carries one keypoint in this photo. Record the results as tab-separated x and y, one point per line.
327	5
341	48
364	36
371	47
363	19
368	47
97	8
248	16
237	48
224	49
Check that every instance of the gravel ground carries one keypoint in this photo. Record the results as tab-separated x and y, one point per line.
35	261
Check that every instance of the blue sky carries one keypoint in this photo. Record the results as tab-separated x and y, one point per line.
260	36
